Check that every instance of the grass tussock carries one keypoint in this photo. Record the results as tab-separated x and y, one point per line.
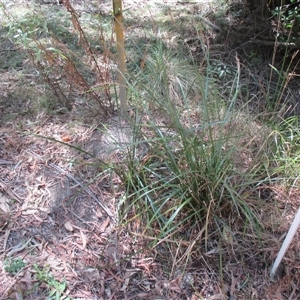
195	169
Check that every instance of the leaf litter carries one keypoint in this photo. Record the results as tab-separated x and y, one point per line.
53	215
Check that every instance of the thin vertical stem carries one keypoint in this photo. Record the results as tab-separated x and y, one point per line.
119	28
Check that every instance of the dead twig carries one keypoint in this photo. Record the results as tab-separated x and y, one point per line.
5	162
86	189
274	43
18	248
10	192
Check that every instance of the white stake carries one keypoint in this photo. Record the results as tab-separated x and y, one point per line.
286	243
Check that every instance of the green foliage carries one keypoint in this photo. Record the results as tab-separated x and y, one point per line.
289	16
286	146
189	172
13	266
55	288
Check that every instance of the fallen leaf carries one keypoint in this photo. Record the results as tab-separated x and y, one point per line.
4	204
66	138
104	225
18	291
92	274
127	276
83	238
227	234
68	226
29	212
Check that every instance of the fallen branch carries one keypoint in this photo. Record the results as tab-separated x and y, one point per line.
275	43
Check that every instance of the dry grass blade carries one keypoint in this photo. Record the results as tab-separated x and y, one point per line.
102	74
